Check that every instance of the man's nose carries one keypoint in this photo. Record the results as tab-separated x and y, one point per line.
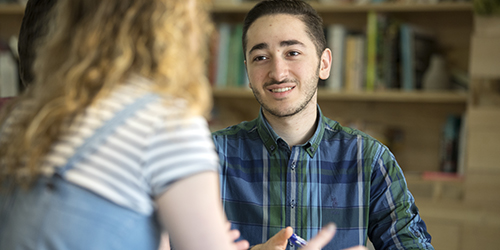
279	69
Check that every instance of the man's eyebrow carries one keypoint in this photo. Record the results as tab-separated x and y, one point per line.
285	43
258	46
290	43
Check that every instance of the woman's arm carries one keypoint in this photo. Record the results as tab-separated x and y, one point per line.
192	214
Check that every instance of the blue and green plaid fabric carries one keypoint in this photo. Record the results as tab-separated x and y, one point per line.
340	175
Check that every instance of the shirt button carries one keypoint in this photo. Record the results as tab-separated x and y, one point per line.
292	204
272	147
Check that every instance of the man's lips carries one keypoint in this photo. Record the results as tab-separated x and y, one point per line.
280	88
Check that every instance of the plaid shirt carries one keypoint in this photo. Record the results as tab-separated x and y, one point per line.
340	175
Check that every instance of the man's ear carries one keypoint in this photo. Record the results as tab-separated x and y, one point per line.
326	64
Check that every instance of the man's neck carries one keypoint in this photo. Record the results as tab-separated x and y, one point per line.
296	129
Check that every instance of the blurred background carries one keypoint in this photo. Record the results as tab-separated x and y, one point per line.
421	76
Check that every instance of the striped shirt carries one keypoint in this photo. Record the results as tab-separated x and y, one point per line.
340	175
152	149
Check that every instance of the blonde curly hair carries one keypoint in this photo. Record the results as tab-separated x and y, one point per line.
93	46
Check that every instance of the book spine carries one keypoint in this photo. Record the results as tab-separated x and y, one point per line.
371	51
350	64
336	40
222	70
407	59
359	61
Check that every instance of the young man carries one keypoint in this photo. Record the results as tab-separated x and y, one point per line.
294	167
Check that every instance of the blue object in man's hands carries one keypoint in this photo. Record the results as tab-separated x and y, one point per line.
297	240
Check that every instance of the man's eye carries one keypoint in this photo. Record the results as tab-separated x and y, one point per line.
260	58
293	53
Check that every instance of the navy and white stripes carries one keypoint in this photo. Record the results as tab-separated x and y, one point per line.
136	163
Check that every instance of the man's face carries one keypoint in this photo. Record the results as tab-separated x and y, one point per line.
283	65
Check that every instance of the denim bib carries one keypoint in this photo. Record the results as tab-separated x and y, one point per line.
58	215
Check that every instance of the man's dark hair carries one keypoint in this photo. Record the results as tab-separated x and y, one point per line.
298	8
33	27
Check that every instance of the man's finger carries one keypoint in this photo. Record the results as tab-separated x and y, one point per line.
283	235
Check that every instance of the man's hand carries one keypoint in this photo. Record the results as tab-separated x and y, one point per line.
280	240
277	242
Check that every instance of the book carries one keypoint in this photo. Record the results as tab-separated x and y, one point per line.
213	57
235	57
406	46
371	50
359	60
391	56
224	30
450	144
416	48
336	34
350	50
354	62
375	30
425	48
462	145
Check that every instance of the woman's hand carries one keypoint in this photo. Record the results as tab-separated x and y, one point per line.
234	235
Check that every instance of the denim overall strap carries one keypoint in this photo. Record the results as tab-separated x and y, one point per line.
105	130
57	215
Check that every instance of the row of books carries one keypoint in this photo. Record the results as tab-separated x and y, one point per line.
226	67
387	54
398	54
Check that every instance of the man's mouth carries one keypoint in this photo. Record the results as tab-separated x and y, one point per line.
280	90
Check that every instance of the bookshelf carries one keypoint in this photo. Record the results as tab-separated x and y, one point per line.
453	23
460	212
418	115
244	7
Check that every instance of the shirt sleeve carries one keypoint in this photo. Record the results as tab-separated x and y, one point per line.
180	148
394	221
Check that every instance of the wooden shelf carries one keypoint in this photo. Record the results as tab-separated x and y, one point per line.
9	9
379	96
242	8
221	8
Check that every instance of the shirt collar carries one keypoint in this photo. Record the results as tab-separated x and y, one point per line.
270	138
